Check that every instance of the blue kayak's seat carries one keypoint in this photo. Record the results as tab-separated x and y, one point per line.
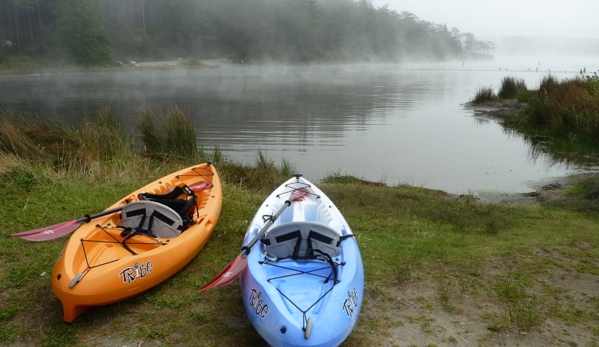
300	240
151	218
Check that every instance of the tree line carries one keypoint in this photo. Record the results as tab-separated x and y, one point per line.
97	32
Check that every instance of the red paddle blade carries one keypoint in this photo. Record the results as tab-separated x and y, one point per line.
228	274
199	186
298	194
48	233
236	267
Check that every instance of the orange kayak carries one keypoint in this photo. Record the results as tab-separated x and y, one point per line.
156	231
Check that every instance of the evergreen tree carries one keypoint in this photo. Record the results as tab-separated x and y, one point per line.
79	30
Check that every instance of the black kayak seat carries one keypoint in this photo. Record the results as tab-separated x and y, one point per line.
299	239
184	207
151	217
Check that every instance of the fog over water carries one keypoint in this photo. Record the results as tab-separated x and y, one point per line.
396	123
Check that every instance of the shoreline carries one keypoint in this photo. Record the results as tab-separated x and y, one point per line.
545	190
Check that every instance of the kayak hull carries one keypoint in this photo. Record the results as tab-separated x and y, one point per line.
95	269
302	302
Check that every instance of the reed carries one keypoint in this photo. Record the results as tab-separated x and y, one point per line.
511	87
103	139
50	141
565	113
14	138
170	134
264	176
568	108
99	145
483	95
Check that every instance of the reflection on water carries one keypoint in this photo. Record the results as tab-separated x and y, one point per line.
391	123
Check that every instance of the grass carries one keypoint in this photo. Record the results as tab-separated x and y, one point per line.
428	256
172	134
511	87
484	95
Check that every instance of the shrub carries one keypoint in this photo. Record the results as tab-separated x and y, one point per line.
80	30
3	58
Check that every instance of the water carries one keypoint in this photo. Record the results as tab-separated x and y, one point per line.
391	123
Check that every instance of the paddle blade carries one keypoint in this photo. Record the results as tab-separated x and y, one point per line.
199	186
50	232
228	274
298	194
236	267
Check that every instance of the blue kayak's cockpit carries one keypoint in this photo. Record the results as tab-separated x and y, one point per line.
301	240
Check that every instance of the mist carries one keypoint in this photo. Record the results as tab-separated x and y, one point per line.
296	31
552	46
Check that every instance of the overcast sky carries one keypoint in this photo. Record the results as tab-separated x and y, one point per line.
493	18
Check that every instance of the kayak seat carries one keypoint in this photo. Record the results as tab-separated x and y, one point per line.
184	207
152	218
299	240
172	200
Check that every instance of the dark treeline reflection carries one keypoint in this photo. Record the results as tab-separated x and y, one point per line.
96	31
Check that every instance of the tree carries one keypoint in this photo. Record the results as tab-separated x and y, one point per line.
80	31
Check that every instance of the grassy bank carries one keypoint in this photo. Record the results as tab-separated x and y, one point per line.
440	270
562	114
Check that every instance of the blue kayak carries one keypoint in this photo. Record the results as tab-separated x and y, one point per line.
304	280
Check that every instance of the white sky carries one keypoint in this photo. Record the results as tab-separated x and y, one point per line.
493	18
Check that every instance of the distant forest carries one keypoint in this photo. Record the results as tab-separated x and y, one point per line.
98	32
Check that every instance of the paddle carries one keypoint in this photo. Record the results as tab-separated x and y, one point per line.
64	228
230	272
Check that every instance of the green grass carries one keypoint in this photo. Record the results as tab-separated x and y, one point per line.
564	112
483	95
511	87
172	134
406	234
427	254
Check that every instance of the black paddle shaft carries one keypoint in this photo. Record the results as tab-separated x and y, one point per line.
245	250
87	218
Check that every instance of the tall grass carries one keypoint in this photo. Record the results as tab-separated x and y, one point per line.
47	140
565	113
483	95
99	146
264	176
171	134
15	138
568	108
103	139
511	87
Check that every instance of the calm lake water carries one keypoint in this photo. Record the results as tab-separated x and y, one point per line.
396	123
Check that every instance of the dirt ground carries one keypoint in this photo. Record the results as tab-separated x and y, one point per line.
416	317
544	191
